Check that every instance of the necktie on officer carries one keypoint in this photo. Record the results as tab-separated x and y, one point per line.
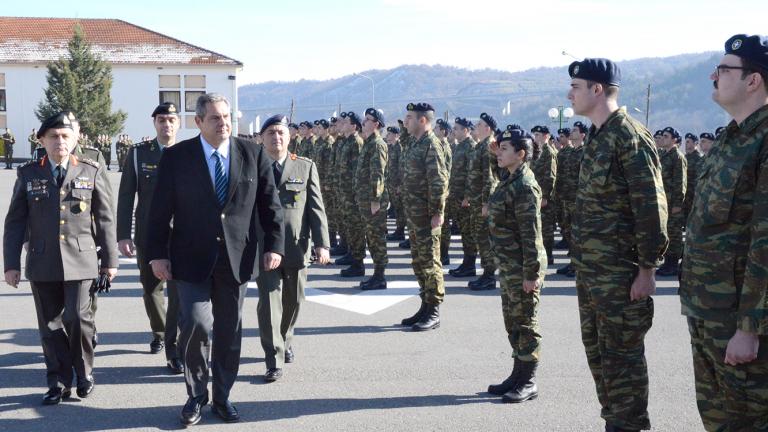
221	184
277	169
59	174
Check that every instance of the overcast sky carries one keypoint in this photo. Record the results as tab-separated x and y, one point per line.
286	40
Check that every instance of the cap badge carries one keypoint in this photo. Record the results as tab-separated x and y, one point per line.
736	44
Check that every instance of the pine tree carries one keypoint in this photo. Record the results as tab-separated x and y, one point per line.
81	84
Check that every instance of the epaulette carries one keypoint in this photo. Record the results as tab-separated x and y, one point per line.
27	163
143	143
90	162
83	146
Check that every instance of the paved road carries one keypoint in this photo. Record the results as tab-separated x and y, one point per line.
354	370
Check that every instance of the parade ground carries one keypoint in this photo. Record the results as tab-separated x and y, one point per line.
356	369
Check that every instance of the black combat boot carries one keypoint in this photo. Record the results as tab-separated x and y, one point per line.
375	282
486	282
525	387
405	244
413	319
564	269
445	260
550	257
430	320
341	249
508	384
669	268
466	269
562	244
355	269
345	260
398	235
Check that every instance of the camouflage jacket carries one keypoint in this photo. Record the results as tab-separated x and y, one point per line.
323	155
693	159
425	179
460	169
562	157
545	169
567	182
338	149
620	218
725	263
393	174
448	152
370	173
480	177
673	174
514	219
348	166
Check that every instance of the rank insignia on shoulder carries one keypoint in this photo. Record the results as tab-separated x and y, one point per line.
292	180
83	183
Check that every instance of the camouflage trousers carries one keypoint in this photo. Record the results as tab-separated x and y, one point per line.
329	201
729	398
375	233
445	231
425	259
520	310
397	203
355	228
548	219
481	234
462	216
675	230
613	331
566	217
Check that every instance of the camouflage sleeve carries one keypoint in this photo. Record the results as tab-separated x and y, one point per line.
527	207
642	172
559	190
437	179
378	168
470	176
549	169
752	315
679	182
485	171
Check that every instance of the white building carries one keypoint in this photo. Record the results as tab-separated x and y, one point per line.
147	68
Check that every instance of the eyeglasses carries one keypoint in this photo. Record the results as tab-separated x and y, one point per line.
722	67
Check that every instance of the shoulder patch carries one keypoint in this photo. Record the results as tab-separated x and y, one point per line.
90	162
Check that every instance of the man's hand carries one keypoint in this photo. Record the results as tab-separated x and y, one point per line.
437	221
161	268
323	256
484	210
465	203
110	272
375	206
544	202
12	278
127	248
493	148
530	286
742	348
644	284
272	260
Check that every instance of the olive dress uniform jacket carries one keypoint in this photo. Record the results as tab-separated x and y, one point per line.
139	176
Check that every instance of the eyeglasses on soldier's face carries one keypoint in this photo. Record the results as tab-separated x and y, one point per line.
722	67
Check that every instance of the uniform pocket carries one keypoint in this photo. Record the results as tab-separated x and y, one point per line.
86	243
716	199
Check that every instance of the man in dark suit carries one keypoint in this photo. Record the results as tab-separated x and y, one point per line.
219	194
63	205
281	291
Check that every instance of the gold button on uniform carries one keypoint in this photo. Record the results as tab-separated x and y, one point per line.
61	237
62	208
62	222
218	239
62	193
223	216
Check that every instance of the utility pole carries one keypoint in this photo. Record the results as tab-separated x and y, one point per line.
290	114
648	105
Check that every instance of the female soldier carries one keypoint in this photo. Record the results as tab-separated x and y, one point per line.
514	213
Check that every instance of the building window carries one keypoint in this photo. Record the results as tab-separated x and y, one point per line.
190	99
190	119
194	81
170	81
170	96
2	100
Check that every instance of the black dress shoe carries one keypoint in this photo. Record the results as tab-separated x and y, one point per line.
273	374
54	395
289	357
192	411
85	387
156	346
175	365
374	283
226	411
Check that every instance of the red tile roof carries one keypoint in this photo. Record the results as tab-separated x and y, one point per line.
36	40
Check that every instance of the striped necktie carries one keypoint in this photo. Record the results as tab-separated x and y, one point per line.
220	179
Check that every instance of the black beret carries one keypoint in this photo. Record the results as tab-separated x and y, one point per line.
658	133
462	122
719	130
512	135
581	127
293	125
334	120
394	130
376	114
61	120
707	135
343	114
400	122
306	124
599	70
165	108
514	126
490	121
691	136
275	119
540	129
749	47
564	131
672	131
324	123
354	119
444	125
419	107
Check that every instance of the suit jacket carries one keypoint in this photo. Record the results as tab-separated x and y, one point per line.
64	224
185	195
303	209
139	177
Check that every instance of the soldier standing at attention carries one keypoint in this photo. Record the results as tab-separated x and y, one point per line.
514	214
658	138
723	288
568	182
425	187
480	183
619	235
338	194
673	174
693	158
544	165
293	146
706	141
328	186
372	197
64	205
352	221
33	144
564	149
458	195
394	177
140	178
9	140
442	132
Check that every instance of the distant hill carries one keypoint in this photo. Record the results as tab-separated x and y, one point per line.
680	93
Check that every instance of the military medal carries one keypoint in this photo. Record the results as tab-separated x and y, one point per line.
83	206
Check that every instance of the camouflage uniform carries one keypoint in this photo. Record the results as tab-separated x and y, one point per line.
693	159
620	223
459	191
514	213
563	156
294	144
545	169
354	225
336	214
567	185
673	173
33	143
325	162
724	273
480	183
394	177
424	189
445	232
9	141
369	187
307	147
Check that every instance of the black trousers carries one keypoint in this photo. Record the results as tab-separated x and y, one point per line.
211	309
65	322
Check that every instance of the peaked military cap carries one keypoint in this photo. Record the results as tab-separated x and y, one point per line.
490	121
462	122
564	131
749	47
707	135
512	135
540	129
672	131
394	130
514	126
599	70
165	108
354	119
691	136
376	114
275	119
59	120
419	107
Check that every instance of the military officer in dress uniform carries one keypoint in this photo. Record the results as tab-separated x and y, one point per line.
139	178
64	205
281	291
